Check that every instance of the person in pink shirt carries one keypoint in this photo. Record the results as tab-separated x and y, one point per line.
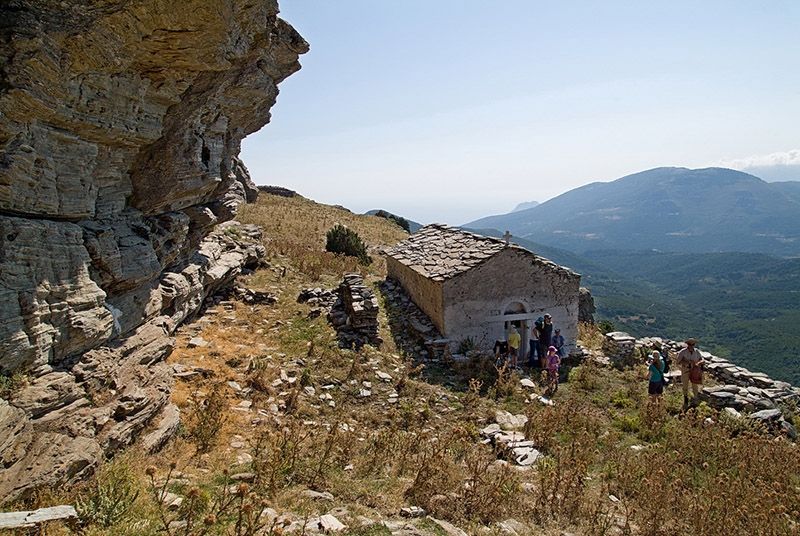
553	362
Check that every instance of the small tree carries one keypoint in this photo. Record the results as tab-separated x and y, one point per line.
399	220
342	240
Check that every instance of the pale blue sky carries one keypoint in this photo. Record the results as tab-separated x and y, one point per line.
446	110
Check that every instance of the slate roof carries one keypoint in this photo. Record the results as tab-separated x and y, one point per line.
441	252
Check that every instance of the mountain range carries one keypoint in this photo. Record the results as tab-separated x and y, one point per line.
667	209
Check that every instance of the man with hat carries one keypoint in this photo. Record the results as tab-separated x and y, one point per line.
545	336
690	361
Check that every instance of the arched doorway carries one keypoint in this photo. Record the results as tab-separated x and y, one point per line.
515	314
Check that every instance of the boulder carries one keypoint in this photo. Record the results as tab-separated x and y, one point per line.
507	421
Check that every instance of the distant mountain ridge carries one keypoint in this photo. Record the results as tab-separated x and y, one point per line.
525	205
668	209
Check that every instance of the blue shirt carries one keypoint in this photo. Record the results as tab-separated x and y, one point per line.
656	374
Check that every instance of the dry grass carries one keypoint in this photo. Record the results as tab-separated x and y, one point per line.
590	336
295	228
689	477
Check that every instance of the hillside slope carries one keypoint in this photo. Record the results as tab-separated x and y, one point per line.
669	209
283	432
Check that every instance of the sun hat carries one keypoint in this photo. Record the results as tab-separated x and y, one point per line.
691	340
547	315
552	349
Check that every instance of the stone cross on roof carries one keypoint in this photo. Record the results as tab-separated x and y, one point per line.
507	237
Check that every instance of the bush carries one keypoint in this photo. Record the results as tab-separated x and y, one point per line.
606	326
466	345
342	240
11	384
111	498
402	222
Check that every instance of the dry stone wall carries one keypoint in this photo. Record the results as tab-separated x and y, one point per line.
120	129
737	389
352	310
427	292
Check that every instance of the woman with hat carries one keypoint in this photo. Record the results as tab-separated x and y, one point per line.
691	363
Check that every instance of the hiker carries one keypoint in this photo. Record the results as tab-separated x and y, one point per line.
514	341
553	362
500	351
558	342
691	363
544	337
655	371
532	357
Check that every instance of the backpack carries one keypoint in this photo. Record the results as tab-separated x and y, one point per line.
666	361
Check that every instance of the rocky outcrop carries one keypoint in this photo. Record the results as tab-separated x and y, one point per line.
277	190
120	128
586	307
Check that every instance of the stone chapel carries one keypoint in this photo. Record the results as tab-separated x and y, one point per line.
474	286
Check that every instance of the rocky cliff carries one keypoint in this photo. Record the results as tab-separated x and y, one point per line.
120	128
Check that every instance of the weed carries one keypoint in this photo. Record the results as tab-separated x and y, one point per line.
11	384
466	345
585	376
206	418
111	496
591	335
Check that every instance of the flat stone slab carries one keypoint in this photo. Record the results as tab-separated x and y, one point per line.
509	437
767	415
526	456
197	342
32	518
491	430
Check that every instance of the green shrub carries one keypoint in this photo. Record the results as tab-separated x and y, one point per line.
11	384
399	220
585	376
606	326
466	345
627	423
341	239
111	497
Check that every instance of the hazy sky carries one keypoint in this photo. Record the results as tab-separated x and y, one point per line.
448	110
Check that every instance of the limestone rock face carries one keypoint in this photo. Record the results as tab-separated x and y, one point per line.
120	128
586	308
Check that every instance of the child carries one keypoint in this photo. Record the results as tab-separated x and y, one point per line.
656	376
553	362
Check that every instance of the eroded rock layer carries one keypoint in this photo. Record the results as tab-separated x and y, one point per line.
120	128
